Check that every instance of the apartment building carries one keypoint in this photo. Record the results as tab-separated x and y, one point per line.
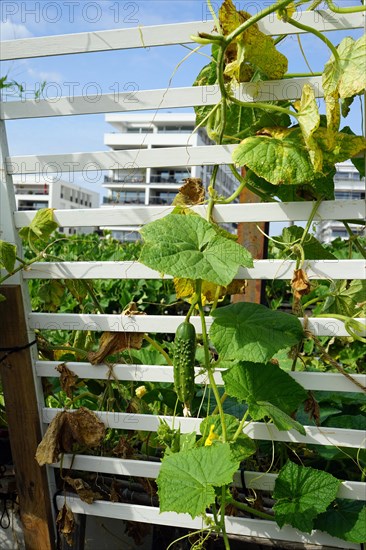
32	192
155	186
348	185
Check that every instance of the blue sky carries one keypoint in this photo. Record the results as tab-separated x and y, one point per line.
131	69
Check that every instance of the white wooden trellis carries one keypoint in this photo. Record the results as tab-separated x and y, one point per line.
122	216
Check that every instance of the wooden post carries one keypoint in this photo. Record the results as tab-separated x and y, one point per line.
255	242
24	423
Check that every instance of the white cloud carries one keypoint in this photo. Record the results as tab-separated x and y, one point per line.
12	31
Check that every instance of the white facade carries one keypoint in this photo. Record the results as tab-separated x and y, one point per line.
348	185
34	192
155	186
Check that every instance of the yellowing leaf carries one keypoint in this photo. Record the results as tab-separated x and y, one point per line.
185	289
251	50
309	120
348	76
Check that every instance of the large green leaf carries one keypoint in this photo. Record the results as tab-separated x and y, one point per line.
302	493
268	390
8	254
348	77
40	227
313	249
345	519
190	247
252	332
186	480
280	156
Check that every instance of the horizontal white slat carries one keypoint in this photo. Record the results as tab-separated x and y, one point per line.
230	213
239	526
129	159
256	430
159	35
354	490
326	326
268	90
263	269
158	373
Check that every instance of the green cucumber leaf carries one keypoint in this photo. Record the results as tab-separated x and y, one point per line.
348	76
186	480
302	493
252	332
279	156
40	227
268	390
345	519
345	296
8	254
281	420
189	247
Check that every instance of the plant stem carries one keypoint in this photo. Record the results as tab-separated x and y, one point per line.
310	220
355	240
158	348
93	296
250	510
222	401
207	361
266	106
244	184
241	425
300	75
222	518
353	9
24	265
322	37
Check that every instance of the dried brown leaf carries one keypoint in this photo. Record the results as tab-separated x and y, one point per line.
114	342
49	448
85	427
65	522
83	490
68	379
124	449
192	192
300	284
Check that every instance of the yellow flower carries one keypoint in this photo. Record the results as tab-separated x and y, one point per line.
140	391
211	436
